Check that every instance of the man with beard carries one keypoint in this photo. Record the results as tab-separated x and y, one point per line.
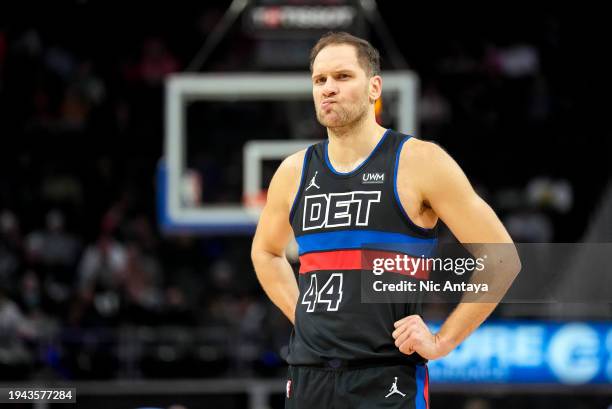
364	184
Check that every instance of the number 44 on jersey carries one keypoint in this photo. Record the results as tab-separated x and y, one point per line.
329	295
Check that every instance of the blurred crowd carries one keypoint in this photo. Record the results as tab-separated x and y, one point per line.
65	302
88	285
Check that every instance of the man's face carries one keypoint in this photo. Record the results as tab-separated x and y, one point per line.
340	86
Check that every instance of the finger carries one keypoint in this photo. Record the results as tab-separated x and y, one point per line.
412	342
405	335
416	318
408	326
401	321
401	339
407	348
413	331
399	331
405	319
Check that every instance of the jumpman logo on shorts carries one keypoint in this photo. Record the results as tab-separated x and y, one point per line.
313	182
394	389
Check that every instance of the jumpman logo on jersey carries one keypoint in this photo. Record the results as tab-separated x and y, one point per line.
394	389
313	182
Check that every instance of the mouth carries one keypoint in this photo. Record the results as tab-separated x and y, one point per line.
327	104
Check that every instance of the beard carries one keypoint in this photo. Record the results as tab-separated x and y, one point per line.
342	116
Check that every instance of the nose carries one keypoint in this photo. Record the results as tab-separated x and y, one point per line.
330	88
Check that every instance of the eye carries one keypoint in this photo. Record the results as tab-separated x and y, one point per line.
343	76
319	80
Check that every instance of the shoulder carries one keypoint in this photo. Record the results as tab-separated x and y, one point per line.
424	158
422	152
433	169
293	162
285	181
291	167
428	163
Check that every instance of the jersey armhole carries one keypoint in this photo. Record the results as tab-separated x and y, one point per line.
423	230
301	186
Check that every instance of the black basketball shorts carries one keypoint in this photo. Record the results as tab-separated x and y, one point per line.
396	386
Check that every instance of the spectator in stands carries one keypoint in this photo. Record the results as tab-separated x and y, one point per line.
101	273
142	286
16	331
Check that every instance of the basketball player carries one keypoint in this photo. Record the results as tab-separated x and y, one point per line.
364	184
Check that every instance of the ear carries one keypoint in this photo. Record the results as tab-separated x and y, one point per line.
375	89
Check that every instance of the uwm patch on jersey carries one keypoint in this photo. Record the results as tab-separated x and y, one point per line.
338	209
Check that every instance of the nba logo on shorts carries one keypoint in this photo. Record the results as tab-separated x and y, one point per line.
289	388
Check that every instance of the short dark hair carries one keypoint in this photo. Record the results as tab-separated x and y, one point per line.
367	55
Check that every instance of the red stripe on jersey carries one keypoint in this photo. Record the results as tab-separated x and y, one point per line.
365	260
426	388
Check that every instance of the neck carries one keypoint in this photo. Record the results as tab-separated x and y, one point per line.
350	145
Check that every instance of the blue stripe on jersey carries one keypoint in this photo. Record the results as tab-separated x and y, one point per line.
354	239
419	399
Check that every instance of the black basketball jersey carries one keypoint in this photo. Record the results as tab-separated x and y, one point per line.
334	215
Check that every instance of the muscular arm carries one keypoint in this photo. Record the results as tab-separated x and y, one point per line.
445	188
274	233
